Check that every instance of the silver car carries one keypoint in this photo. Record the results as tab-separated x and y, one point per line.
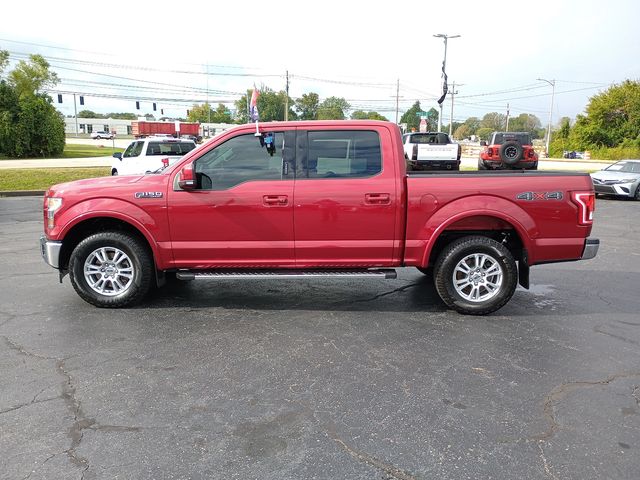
621	179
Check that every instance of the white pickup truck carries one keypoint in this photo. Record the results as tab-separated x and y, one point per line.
431	150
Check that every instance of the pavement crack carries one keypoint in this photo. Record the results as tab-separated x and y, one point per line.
545	463
560	392
617	337
33	402
391	292
330	429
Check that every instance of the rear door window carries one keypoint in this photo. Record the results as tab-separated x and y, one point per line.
342	154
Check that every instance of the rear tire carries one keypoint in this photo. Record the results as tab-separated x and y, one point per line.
475	275
637	195
111	269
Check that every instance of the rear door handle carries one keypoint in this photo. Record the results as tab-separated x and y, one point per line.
275	200
377	198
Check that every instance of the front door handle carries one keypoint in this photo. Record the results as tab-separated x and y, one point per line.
275	200
377	198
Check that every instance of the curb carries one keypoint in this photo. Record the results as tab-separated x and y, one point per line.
22	193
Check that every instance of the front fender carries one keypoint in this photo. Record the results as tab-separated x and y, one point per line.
149	221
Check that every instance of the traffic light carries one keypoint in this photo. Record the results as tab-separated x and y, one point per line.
137	105
162	111
59	98
154	107
81	100
187	113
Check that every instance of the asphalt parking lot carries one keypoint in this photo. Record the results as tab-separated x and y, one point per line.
358	379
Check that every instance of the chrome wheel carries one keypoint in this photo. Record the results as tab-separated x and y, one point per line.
478	277
108	271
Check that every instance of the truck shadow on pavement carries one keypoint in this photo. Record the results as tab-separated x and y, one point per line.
415	294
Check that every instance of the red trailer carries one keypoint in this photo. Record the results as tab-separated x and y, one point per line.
145	129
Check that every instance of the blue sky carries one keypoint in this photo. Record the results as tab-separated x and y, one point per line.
356	50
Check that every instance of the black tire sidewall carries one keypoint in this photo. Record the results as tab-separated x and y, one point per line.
141	259
449	258
511	160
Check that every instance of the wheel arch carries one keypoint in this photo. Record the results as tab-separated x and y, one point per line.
492	224
89	226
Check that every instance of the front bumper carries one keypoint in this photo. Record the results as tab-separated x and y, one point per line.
591	246
621	189
50	251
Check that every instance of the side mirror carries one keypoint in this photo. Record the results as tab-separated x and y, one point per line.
118	155
187	178
483	143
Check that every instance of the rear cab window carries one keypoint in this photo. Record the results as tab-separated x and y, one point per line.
342	153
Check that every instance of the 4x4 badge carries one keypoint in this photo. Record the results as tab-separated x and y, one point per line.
148	194
539	196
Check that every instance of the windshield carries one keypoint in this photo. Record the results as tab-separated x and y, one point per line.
169	148
433	138
627	167
521	138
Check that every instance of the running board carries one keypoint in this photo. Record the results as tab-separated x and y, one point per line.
387	273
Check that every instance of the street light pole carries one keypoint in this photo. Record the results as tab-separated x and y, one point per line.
445	37
553	92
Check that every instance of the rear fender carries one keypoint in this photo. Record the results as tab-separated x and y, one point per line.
479	206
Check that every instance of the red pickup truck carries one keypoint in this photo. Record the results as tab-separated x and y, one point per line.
315	199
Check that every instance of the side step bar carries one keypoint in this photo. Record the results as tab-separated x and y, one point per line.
387	273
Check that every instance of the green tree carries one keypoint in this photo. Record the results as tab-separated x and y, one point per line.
473	124
30	77
612	118
432	120
89	114
362	115
462	132
525	122
30	126
333	108
494	121
221	115
484	133
271	106
411	118
307	106
200	113
122	116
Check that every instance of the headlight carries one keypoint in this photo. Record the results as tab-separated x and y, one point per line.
53	205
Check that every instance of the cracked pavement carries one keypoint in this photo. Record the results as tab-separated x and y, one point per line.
321	379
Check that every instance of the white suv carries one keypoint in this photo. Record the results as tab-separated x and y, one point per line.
150	155
100	135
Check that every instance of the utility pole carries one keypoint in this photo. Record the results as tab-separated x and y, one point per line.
208	106
286	100
397	99
445	37
507	126
553	92
75	109
453	93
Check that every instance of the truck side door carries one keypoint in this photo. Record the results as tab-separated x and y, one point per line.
241	212
346	198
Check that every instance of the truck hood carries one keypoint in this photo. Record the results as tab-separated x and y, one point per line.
90	186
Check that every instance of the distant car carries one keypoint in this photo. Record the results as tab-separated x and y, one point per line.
101	135
508	150
621	179
572	154
148	155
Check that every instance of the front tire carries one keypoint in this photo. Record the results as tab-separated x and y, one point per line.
111	269
475	275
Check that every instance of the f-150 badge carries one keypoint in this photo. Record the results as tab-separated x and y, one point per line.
539	196
148	195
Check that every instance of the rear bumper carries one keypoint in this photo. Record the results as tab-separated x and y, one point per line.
50	251
434	164
497	164
591	246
